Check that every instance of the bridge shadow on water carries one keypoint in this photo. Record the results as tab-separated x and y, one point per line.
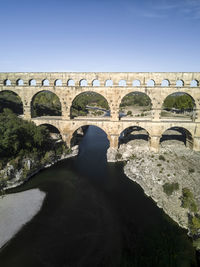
93	215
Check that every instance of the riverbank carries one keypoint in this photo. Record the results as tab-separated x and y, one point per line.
19	208
17	172
170	178
16	210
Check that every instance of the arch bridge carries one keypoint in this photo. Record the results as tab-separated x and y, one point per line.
113	87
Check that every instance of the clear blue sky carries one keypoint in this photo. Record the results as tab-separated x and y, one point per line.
99	35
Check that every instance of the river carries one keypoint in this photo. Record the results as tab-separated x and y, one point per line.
93	215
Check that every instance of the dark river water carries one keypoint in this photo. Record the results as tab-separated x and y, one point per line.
93	215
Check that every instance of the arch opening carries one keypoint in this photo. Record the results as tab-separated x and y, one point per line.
194	83
45	82
53	132
32	82
179	83
176	136
7	82
89	104
78	135
58	82
109	83
122	83
136	83
95	82
135	104
70	82
55	144
12	101
45	103
135	136
179	105
83	82
20	82
151	83
92	131
165	83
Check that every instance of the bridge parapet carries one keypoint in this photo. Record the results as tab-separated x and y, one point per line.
116	77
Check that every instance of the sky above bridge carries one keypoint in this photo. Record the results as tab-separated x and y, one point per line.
99	35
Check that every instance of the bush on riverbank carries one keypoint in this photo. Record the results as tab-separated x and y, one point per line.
19	137
170	188
188	200
24	148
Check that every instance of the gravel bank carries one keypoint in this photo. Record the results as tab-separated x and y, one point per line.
16	210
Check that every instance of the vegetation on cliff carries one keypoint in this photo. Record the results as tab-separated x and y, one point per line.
22	141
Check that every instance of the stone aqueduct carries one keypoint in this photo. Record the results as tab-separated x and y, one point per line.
113	86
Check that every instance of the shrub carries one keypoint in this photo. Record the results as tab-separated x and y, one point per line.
196	243
82	113
170	188
161	157
129	113
133	156
118	156
191	170
194	224
159	164
188	200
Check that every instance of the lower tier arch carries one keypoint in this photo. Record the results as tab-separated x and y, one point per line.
136	135
78	134
177	136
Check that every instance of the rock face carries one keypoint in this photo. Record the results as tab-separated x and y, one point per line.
173	164
125	151
16	173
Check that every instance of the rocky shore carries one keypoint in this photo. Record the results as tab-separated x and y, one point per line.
16	173
164	177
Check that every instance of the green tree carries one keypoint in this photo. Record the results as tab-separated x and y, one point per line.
179	101
18	136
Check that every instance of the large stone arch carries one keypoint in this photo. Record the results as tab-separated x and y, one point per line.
181	93
14	103
84	126
137	92
79	94
183	134
140	133
45	91
54	131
